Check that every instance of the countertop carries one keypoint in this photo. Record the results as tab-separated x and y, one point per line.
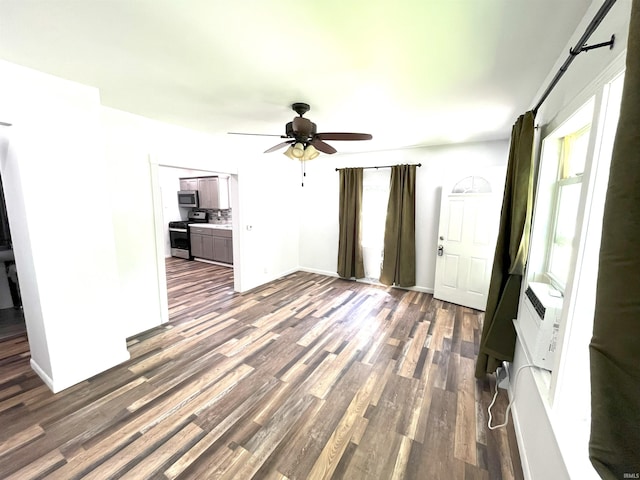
215	226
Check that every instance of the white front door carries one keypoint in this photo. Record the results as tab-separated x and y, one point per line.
466	243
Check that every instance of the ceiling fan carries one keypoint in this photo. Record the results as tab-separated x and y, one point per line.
304	141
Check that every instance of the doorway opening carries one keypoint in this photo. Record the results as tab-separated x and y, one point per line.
12	322
197	253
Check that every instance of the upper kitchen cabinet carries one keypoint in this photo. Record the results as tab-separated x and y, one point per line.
188	184
213	192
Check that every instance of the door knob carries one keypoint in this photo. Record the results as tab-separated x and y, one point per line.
440	250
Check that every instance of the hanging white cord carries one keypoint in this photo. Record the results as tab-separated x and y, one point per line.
513	399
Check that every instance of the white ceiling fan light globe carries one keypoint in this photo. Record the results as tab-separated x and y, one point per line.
310	153
298	150
289	153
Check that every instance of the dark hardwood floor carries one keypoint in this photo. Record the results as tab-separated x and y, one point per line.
306	377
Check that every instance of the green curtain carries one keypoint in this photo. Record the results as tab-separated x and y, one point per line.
614	446
498	334
399	261
350	261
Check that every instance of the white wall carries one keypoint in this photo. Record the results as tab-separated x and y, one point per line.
266	218
552	436
54	168
263	202
319	210
89	284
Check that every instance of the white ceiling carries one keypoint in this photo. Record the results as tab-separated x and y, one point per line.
410	72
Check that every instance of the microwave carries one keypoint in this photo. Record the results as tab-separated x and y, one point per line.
188	198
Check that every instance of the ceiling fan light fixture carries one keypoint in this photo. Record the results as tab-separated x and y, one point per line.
310	153
298	150
289	153
301	132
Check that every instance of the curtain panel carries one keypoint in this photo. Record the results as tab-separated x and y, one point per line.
399	260
350	259
614	445
498	333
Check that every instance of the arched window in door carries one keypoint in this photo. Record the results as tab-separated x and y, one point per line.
472	185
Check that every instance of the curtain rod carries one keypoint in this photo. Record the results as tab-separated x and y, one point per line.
381	166
579	48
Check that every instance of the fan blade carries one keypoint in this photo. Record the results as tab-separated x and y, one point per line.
279	146
323	147
344	136
258	134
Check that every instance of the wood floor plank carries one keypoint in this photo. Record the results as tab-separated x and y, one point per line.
39	468
154	461
385	421
402	459
465	431
21	438
217	423
308	376
306	445
337	443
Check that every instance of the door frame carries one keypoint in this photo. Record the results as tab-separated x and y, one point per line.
160	225
495	175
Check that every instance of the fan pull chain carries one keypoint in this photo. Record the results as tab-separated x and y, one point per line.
303	170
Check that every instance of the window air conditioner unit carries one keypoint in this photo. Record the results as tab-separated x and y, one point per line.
539	322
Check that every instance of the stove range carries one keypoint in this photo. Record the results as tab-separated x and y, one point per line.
179	234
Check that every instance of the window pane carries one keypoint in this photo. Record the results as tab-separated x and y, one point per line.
560	256
375	195
472	185
576	153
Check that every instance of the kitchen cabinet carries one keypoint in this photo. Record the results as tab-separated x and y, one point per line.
213	192
208	192
201	244
212	243
188	184
223	249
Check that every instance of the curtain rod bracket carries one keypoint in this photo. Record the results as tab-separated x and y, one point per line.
580	46
586	48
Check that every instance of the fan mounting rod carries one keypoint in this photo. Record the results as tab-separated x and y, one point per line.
300	108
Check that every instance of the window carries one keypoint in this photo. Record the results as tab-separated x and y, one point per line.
375	196
573	155
472	185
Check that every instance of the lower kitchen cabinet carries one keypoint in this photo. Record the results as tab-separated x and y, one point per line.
212	244
223	249
202	246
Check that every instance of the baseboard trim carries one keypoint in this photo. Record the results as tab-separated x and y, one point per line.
369	282
57	386
212	262
318	271
48	381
